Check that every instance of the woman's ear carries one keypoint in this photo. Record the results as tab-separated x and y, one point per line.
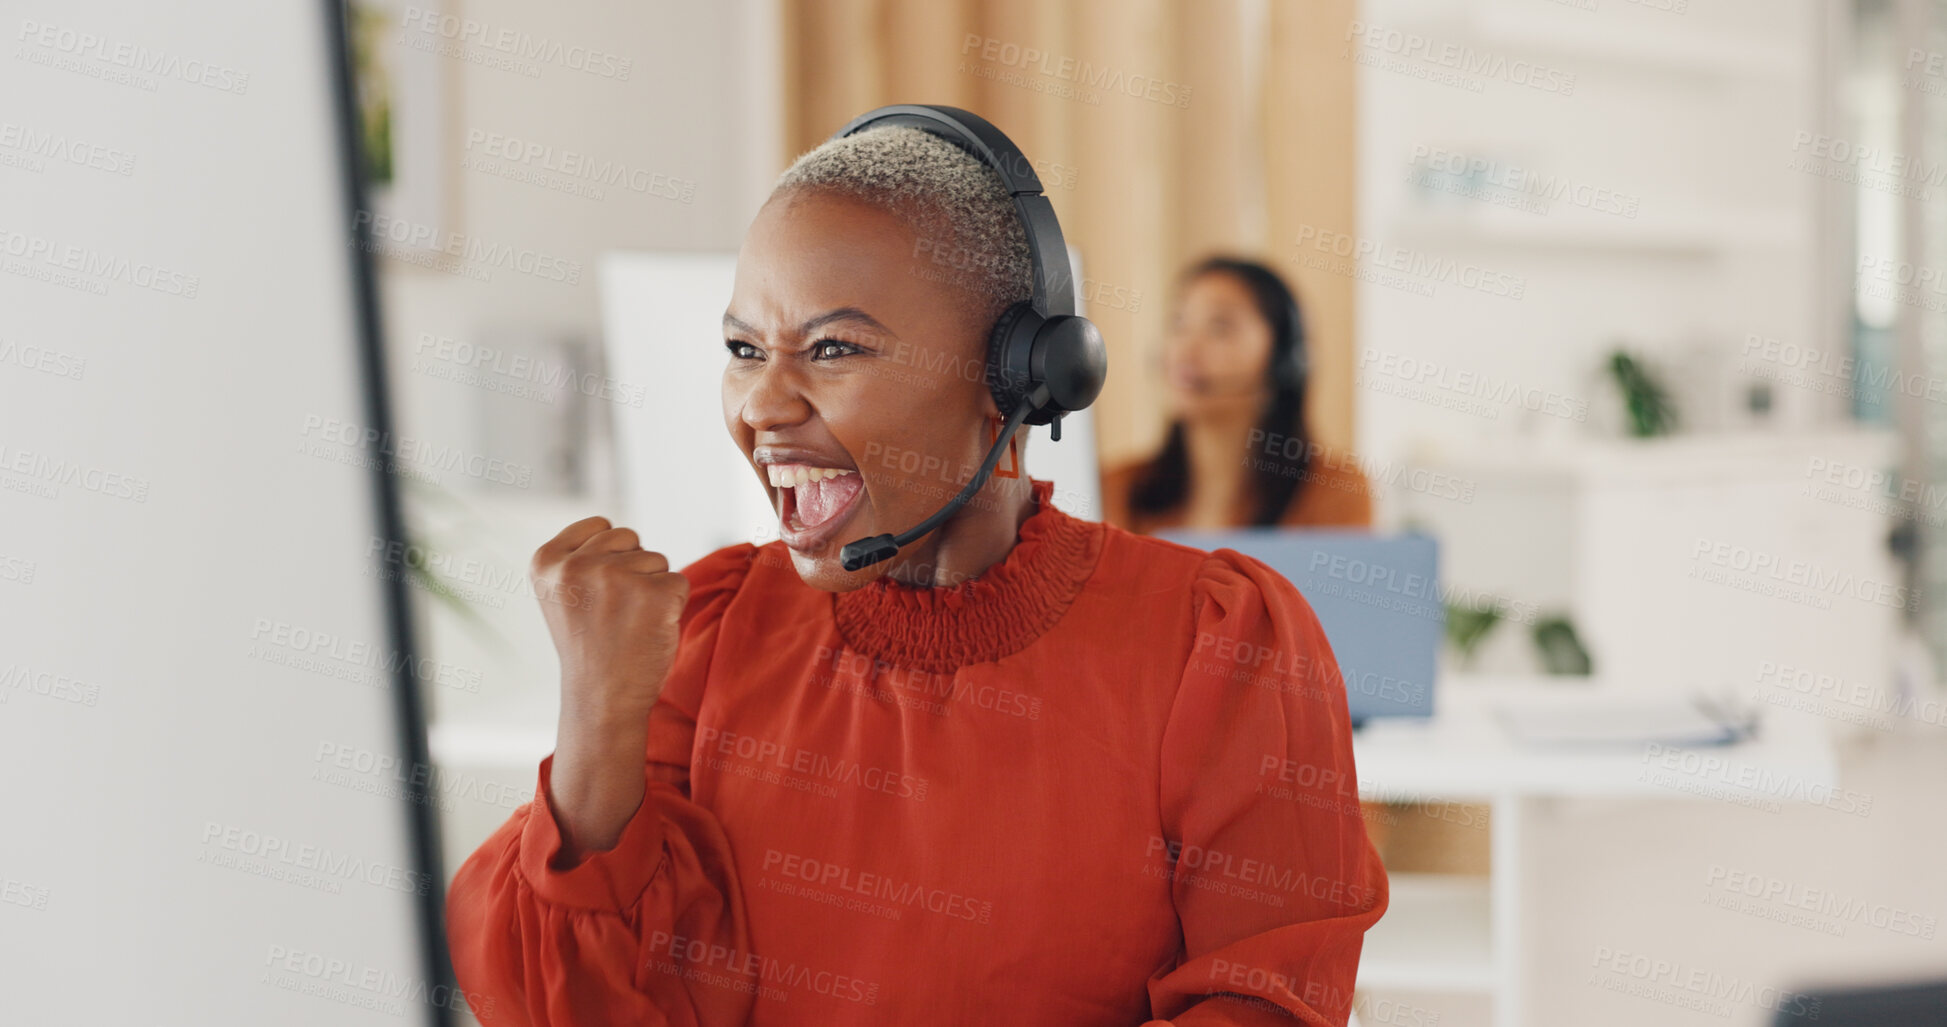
988	408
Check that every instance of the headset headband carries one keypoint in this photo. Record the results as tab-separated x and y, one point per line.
1054	279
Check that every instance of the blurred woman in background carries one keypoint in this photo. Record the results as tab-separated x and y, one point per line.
1238	451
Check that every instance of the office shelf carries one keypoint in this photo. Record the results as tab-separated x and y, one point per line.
1699	236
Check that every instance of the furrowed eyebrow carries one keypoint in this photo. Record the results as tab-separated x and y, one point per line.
842	315
852	315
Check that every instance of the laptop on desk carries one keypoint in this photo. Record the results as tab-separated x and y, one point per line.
1377	597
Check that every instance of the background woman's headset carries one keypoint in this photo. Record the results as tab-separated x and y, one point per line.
1294	366
1043	360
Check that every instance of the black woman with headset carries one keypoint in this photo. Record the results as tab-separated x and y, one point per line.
1238	451
941	753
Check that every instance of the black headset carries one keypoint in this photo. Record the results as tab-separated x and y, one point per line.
1292	370
1043	360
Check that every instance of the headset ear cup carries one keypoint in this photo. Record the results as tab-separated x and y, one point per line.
1292	369
1069	363
1297	364
1010	345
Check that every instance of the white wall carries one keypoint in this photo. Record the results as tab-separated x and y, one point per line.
1685	117
146	740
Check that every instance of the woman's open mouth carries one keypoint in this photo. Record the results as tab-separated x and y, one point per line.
814	502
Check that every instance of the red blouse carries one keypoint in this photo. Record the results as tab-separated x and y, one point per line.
1109	781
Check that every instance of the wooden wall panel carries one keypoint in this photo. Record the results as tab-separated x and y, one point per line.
1310	135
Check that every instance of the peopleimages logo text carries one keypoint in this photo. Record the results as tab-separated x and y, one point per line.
1070	69
517	43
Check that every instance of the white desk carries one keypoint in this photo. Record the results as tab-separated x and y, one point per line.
1456	933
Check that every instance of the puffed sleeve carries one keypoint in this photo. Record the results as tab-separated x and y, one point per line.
651	931
1274	880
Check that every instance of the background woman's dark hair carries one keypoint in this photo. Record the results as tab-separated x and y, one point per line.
1275	478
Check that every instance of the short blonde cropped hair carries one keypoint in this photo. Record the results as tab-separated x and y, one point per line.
969	230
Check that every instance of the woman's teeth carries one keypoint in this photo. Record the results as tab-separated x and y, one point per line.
792	475
817	494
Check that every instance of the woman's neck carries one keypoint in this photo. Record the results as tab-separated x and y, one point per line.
1217	443
978	536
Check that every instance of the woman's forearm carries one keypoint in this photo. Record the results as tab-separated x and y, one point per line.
614	610
598	781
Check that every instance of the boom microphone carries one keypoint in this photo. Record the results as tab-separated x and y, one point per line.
868	551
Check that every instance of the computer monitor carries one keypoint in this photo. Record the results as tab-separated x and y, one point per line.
1376	596
1900	1005
206	666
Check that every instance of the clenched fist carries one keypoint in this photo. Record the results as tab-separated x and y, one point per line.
615	621
613	609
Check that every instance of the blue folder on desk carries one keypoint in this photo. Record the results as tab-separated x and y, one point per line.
1377	597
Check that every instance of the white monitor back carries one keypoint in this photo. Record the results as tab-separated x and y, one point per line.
685	487
191	630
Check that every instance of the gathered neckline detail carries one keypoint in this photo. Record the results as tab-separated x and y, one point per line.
997	612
